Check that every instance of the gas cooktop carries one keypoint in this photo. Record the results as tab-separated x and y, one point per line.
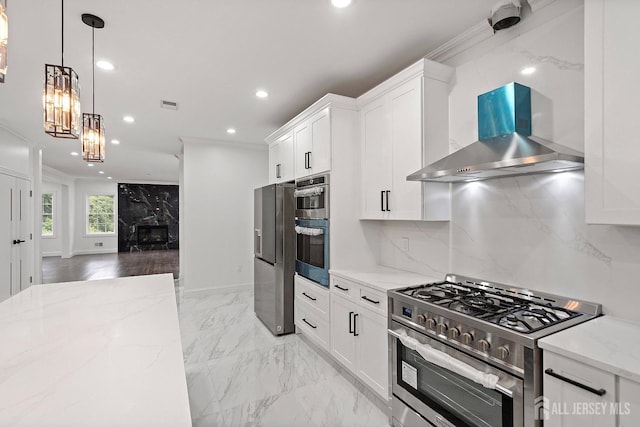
499	306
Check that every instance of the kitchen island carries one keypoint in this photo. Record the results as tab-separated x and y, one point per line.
94	353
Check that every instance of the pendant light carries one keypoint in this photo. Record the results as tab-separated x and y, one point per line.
4	39
61	98
93	124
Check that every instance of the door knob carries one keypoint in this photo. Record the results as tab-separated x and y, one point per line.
15	242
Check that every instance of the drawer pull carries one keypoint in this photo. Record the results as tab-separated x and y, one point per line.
370	300
342	289
305	321
311	298
599	392
355	324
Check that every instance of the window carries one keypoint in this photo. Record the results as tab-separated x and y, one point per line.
47	214
100	214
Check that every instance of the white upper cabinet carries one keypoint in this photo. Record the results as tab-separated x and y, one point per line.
399	136
612	106
281	161
314	132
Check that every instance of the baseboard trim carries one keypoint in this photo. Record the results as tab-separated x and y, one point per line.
47	254
95	252
220	289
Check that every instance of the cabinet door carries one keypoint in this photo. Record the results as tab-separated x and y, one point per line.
629	403
405	103
372	351
302	146
566	400
286	158
320	158
342	340
376	158
612	106
274	161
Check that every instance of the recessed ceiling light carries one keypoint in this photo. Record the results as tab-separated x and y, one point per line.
341	3
262	93
105	65
128	119
90	165
75	153
231	131
115	141
100	171
528	70
109	177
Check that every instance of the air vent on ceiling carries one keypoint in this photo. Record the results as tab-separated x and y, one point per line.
169	105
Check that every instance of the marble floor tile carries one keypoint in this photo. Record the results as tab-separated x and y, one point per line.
239	374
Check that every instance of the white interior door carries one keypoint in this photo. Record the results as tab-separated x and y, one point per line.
23	250
6	235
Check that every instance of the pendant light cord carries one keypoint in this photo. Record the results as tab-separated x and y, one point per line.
93	70
62	31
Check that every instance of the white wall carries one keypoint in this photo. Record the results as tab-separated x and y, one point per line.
525	231
15	154
217	213
83	244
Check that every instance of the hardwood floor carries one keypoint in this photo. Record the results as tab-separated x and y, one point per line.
107	266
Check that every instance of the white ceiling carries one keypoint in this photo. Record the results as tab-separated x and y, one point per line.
210	56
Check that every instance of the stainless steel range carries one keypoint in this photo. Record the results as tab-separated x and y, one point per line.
464	351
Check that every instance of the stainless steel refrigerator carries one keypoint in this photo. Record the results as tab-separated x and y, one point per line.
274	256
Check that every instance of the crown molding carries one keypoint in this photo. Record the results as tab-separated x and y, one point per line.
474	35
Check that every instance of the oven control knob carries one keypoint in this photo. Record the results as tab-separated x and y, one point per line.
503	352
467	338
484	345
421	319
441	328
454	332
431	323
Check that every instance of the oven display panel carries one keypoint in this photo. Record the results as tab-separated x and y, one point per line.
406	311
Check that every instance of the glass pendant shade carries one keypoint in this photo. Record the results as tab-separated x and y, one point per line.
61	101
93	139
4	26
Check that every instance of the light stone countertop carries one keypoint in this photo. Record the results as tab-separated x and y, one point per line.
607	343
95	353
384	278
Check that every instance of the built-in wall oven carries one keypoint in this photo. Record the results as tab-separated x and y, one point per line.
312	228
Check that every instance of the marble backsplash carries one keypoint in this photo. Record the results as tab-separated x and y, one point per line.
526	231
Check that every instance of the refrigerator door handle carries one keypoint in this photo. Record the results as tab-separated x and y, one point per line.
258	241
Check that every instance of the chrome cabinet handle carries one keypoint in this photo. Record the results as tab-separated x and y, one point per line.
311	298
305	321
552	373
370	300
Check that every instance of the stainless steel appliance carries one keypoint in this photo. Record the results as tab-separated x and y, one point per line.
463	352
274	256
312	228
312	249
312	197
505	146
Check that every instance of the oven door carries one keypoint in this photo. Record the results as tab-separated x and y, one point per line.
312	202
447	397
312	249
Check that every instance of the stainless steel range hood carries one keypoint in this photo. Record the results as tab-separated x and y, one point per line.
506	147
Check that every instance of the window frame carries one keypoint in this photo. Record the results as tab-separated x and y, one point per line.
87	233
54	218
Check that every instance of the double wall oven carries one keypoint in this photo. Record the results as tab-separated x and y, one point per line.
463	352
312	228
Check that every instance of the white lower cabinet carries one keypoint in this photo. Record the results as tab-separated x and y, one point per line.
629	403
359	341
312	311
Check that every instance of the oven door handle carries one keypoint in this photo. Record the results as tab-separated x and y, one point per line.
448	362
309	231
